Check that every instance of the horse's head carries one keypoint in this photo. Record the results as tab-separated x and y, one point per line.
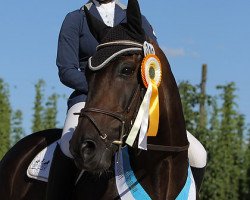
115	92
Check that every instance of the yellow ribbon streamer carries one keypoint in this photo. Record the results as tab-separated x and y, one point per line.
153	111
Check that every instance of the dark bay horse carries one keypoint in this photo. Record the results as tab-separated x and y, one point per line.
116	91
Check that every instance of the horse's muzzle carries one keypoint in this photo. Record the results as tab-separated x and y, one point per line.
93	157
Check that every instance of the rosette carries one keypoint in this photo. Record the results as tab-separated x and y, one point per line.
151	75
147	119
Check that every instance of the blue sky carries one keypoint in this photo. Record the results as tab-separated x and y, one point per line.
191	33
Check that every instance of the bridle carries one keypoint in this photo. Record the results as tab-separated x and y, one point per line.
126	118
122	117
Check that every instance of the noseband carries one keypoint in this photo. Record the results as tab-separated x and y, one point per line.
123	117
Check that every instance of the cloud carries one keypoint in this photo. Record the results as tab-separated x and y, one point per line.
180	52
175	52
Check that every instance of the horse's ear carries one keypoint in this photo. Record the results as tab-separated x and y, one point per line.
134	21
98	28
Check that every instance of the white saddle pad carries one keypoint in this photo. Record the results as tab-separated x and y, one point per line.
40	165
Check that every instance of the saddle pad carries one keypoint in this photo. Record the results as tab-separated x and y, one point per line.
40	165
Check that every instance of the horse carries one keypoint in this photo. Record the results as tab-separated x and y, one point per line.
116	91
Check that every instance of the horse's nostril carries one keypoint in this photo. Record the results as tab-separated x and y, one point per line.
88	147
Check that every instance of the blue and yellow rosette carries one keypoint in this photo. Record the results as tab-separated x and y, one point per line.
147	119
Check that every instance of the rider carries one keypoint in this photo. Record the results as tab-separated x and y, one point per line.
75	45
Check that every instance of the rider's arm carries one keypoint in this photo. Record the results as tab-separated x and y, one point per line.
68	53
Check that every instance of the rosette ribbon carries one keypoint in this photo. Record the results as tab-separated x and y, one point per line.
147	119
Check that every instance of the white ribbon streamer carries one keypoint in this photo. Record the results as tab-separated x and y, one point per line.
138	121
142	143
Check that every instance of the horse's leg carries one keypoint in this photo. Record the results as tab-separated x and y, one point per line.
14	183
62	176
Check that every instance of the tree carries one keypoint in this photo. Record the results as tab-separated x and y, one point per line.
190	100
17	132
245	178
217	123
5	118
229	144
37	124
202	110
44	115
50	112
210	183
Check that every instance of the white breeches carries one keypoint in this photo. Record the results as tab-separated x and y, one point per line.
196	153
69	127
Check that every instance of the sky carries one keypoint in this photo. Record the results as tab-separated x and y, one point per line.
191	33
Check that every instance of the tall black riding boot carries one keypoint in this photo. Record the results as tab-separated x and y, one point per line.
198	174
62	177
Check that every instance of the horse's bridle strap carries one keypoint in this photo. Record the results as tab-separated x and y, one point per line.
120	42
155	147
117	116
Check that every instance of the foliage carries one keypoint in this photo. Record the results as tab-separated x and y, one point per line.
5	118
11	127
190	100
37	124
17	132
245	182
229	149
50	112
223	138
45	114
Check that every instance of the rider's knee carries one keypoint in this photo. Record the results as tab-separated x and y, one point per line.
64	144
69	127
197	153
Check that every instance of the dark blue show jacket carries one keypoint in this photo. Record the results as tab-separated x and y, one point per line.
76	44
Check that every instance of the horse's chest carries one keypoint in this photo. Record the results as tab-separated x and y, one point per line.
96	189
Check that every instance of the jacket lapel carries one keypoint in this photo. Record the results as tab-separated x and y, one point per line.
120	12
93	10
120	15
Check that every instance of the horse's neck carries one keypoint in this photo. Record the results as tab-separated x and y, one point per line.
161	174
178	170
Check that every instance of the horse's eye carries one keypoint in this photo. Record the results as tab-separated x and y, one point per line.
127	71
